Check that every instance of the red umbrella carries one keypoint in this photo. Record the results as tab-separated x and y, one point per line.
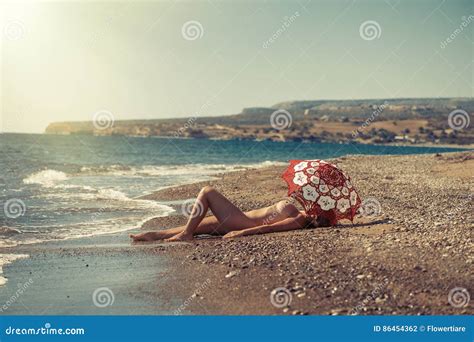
323	189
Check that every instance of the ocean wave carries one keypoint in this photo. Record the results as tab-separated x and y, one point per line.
114	199
171	170
50	178
75	187
110	194
46	178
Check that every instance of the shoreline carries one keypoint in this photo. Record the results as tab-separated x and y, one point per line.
327	271
404	261
348	142
8	250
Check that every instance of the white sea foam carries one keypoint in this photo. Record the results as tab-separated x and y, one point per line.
171	170
201	169
76	187
110	194
46	178
49	178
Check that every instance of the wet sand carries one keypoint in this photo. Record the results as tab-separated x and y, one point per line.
100	275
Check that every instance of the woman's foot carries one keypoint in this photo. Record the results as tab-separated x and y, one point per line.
137	237
183	236
148	236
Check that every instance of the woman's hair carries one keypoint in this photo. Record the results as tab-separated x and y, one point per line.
323	222
319	222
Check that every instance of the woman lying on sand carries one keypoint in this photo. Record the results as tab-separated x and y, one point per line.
230	221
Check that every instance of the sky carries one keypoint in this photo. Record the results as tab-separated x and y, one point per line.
67	61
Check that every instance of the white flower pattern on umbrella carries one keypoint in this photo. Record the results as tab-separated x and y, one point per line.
310	193
300	166
353	197
323	188
336	192
343	204
326	202
300	178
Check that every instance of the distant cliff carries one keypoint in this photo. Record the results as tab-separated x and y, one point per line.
366	121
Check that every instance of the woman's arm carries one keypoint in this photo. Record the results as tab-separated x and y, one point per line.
290	223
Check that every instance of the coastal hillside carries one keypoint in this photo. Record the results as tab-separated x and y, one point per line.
414	121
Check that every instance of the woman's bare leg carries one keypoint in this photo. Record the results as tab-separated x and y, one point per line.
209	225
158	235
227	214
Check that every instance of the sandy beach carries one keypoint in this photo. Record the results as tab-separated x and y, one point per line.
403	261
